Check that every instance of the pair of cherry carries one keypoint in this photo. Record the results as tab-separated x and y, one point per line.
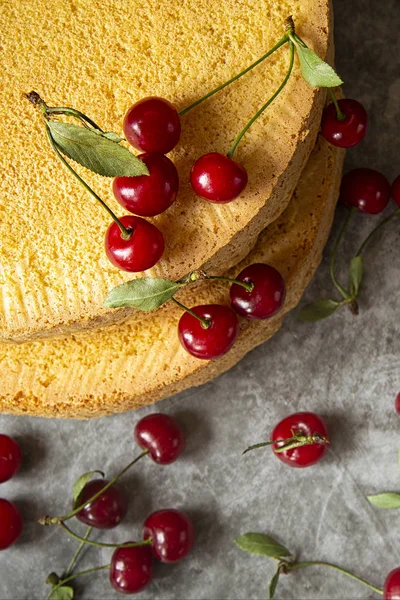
208	331
171	531
368	190
11	523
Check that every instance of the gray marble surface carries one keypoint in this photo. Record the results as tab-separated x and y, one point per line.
345	368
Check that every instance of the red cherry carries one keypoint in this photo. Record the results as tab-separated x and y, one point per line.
396	190
213	341
131	569
366	189
267	296
11	524
303	423
391	590
107	511
10	457
397	403
172	534
141	251
153	125
351	130
149	195
162	436
218	178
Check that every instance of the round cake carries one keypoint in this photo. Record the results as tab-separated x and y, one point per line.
131	364
100	58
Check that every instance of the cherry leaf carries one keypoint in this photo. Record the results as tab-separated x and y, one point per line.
65	592
315	71
273	583
145	294
385	500
81	482
356	272
320	309
261	545
95	151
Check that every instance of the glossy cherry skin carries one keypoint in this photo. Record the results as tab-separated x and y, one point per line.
391	590
396	190
351	130
305	423
267	296
211	342
11	524
152	125
218	178
149	195
397	403
10	457
107	511
172	533
162	436
131	569
141	251
365	189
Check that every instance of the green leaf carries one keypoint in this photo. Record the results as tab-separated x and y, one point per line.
273	583
315	71
356	272
95	152
114	137
146	294
386	500
52	579
261	545
320	309
81	482
65	592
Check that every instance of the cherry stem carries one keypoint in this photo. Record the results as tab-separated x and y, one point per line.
58	520
296	441
337	285
77	553
293	566
263	108
125	233
36	100
374	231
71	577
65	110
340	115
249	286
281	42
205	323
84	540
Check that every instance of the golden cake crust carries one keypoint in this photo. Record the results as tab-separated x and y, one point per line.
132	364
100	57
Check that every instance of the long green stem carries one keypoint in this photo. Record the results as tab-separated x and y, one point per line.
205	323
281	42
337	285
77	553
340	115
374	231
71	577
65	110
126	234
336	568
101	544
249	287
263	108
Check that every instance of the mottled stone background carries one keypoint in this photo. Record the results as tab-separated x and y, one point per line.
345	368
